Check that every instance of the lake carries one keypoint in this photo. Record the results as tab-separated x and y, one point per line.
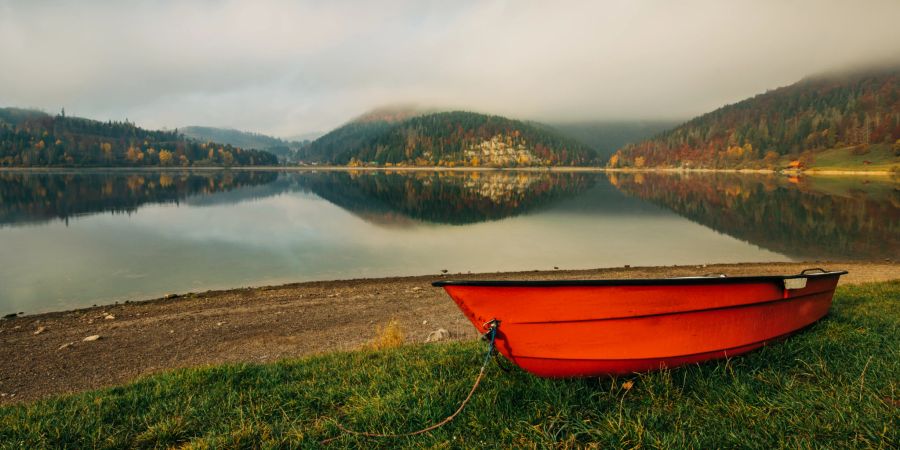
75	238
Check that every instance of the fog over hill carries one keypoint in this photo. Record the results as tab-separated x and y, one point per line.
452	138
846	119
285	68
284	149
605	137
32	138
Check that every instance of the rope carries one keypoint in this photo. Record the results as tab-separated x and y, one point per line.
487	358
502	366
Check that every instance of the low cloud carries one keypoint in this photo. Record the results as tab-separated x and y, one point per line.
287	67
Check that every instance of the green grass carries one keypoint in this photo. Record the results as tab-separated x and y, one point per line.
835	385
880	157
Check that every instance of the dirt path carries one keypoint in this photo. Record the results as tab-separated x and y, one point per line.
266	324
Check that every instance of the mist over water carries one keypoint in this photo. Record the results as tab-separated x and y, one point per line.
75	239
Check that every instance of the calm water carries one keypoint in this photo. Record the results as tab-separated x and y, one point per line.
74	239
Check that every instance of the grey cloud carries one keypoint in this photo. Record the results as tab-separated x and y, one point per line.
287	67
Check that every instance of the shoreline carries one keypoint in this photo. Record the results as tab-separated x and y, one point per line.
563	169
45	354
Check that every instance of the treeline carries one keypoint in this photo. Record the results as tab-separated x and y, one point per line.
443	139
850	110
32	139
283	149
605	137
344	143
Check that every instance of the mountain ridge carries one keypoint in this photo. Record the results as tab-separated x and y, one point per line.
839	120
451	138
32	138
285	149
607	136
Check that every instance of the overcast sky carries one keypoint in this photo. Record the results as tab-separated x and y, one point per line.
290	67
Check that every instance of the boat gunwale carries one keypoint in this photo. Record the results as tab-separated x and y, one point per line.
675	281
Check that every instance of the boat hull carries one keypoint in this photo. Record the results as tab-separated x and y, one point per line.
609	327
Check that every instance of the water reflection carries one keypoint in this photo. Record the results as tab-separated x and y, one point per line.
453	197
64	242
805	218
383	197
34	197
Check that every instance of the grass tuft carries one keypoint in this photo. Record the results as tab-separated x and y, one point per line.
389	336
835	385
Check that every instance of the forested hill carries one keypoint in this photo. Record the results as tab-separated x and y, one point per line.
605	137
340	145
846	120
448	139
32	139
284	149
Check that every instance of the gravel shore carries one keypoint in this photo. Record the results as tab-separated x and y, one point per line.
71	351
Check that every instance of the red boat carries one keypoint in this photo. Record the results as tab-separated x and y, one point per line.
572	328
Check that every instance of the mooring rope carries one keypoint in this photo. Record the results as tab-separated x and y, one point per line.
491	335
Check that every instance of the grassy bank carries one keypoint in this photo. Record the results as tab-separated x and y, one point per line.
874	157
835	385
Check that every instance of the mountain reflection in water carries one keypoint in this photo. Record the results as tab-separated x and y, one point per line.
811	217
71	239
34	197
438	197
453	197
805	218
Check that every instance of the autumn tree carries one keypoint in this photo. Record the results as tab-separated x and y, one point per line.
857	110
165	157
106	148
33	138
